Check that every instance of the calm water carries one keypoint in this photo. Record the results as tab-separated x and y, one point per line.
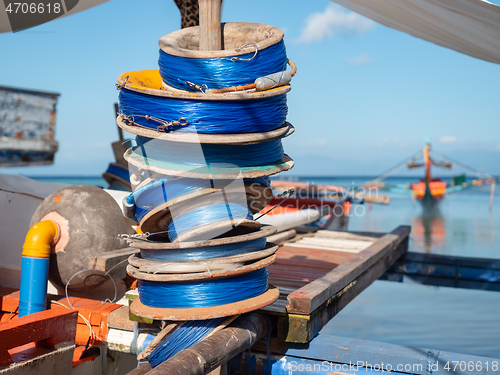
457	320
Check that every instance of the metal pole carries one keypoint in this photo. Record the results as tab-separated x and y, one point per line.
210	29
217	349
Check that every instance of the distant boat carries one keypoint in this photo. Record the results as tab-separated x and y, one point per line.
27	127
429	191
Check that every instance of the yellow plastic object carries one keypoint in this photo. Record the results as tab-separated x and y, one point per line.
141	79
40	238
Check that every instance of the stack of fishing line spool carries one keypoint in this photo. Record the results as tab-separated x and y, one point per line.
208	129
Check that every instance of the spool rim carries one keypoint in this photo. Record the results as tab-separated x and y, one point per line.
230	139
149	82
264	231
149	222
285	164
203	313
136	260
203	230
169	43
200	276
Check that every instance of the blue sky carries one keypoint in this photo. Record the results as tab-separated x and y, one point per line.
364	97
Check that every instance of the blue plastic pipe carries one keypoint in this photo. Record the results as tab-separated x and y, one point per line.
33	294
35	266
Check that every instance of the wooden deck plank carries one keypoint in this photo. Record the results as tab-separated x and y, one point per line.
302	253
313	295
334	242
301	328
325	247
358	236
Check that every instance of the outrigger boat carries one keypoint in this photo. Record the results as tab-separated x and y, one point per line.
316	273
430	191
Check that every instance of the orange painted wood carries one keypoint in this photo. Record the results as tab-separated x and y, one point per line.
9	301
46	328
96	312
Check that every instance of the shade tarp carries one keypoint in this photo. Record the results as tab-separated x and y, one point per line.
471	27
72	7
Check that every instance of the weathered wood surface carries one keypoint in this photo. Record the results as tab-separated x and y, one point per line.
111	260
302	328
283	236
202	313
46	328
339	277
313	295
324	243
185	42
210	28
119	319
217	349
250	266
214	173
264	231
153	85
137	261
142	369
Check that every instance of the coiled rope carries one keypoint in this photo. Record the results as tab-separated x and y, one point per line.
201	155
190	333
201	216
203	293
221	72
154	194
204	116
206	252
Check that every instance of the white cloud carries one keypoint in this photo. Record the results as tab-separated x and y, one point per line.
448	139
362	59
335	20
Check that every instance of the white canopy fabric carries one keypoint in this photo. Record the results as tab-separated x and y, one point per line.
471	27
81	5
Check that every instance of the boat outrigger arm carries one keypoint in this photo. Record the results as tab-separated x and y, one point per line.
429	189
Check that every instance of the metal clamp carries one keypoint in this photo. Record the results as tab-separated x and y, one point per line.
119	87
201	88
136	236
164	127
234	58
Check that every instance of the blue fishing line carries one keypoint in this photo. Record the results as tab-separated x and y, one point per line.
203	293
220	72
206	116
154	194
190	333
162	190
206	252
210	214
205	154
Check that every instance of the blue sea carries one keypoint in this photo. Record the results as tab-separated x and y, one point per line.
446	319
